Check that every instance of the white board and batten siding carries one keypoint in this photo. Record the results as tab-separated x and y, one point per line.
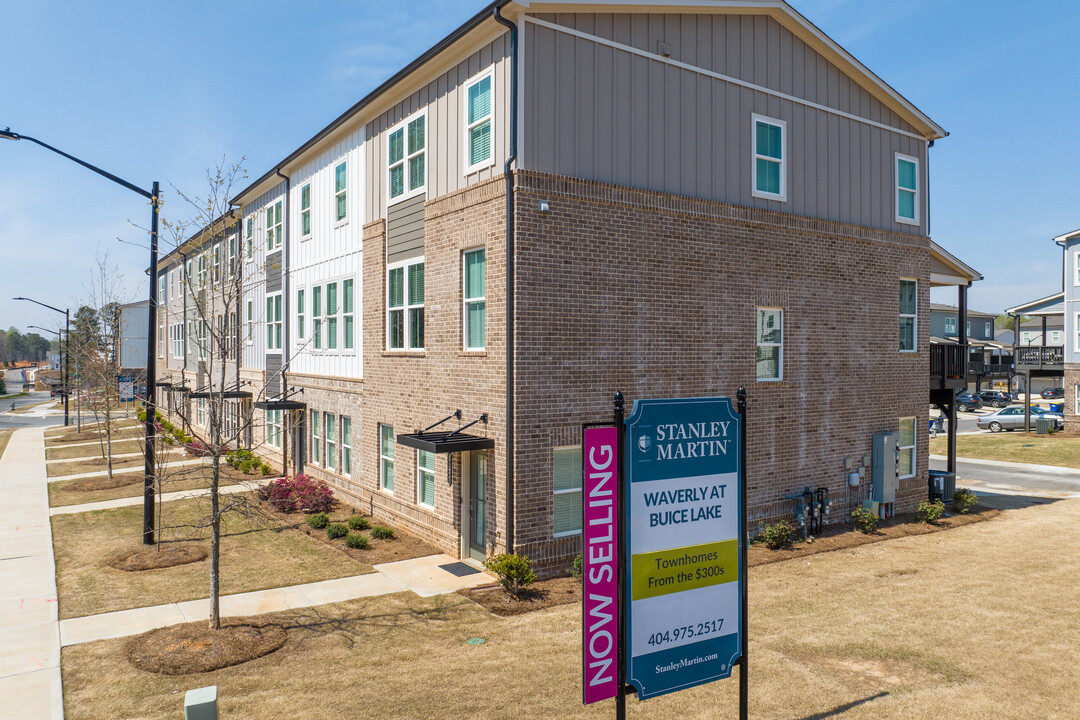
601	110
256	278
445	100
332	251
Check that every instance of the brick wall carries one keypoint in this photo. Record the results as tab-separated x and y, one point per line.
655	295
1071	380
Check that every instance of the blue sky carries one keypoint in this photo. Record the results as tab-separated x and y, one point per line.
163	91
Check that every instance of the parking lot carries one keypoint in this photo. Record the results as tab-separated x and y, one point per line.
967	420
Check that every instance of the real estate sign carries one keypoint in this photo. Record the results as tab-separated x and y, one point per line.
600	533
682	532
127	388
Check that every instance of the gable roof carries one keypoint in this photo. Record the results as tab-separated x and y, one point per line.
1049	305
779	10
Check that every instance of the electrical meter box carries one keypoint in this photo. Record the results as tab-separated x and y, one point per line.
886	458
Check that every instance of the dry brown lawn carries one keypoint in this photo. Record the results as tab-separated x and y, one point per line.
98	464
255	555
129	484
975	622
5	435
54	452
63	436
1061	449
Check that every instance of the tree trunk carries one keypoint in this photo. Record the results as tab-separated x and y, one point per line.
215	546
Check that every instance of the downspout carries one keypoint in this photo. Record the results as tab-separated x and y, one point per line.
285	356
185	286
508	171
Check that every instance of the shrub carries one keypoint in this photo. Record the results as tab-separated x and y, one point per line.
777	535
963	499
514	571
337	530
382	532
929	512
300	493
196	448
356	541
318	520
359	522
866	521
265	469
577	567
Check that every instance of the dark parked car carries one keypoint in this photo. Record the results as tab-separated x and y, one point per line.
995	398
1053	393
966	402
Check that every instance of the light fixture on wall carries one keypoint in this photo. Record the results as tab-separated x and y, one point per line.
544	207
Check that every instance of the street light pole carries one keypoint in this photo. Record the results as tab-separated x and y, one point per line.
154	197
67	350
63	356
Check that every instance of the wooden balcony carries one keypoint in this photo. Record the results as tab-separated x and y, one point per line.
989	369
1050	357
948	366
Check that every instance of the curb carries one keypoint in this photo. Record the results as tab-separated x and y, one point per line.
1046	469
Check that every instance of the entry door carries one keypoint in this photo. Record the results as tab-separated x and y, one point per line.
478	506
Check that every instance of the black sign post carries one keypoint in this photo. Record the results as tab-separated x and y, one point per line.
744	679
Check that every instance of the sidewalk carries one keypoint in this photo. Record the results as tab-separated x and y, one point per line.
1045	469
29	632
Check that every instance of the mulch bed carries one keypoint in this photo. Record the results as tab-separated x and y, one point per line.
153	558
195	648
564	590
402	546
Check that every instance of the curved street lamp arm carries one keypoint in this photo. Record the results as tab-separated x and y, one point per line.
104	173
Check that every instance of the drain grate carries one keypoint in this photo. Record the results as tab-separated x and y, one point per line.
460	569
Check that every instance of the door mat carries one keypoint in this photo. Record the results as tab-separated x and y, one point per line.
459	569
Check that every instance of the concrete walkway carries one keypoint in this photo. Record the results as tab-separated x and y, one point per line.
1045	469
29	632
422	576
138	499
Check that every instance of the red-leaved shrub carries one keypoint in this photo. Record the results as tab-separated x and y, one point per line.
299	493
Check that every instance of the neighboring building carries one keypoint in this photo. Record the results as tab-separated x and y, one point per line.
426	264
1038	359
989	360
1070	243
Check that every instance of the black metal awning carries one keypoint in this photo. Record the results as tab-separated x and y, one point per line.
448	441
227	394
164	384
280	405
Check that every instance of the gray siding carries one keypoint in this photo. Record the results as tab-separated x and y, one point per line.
603	113
444	99
405	230
273	273
273	375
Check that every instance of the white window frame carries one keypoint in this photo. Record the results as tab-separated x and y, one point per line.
755	118
343	192
386	458
579	490
300	314
897	157
305	211
986	329
161	337
204	345
1055	337
346	445
758	343
420	473
1076	399
406	157
908	448
200	410
950	326
274	227
329	438
489	118
163	296
1076	329
316	439
348	319
317	292
273	428
330	320
250	322
467	301
273	323
1076	268
249	238
914	318
405	308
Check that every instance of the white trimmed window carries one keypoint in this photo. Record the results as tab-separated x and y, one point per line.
478	124
346	445
967	328
200	409
347	313
273	428
273	227
1076	269
316	316
770	344
566	500
1076	327
950	326
406	153
273	322
474	311
386	457
305	211
202	271
188	273
905	446
330	430
1055	337
176	333
909	305
316	438
162	296
172	281
405	305
340	186
216	275
161	337
1076	399
987	333
425	478
248	237
232	255
907	189
300	314
250	320
770	158
204	345
331	315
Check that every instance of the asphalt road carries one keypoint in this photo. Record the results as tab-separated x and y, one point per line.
997	478
10	420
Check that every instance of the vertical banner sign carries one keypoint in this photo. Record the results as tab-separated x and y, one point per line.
682	531
127	388
599	606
